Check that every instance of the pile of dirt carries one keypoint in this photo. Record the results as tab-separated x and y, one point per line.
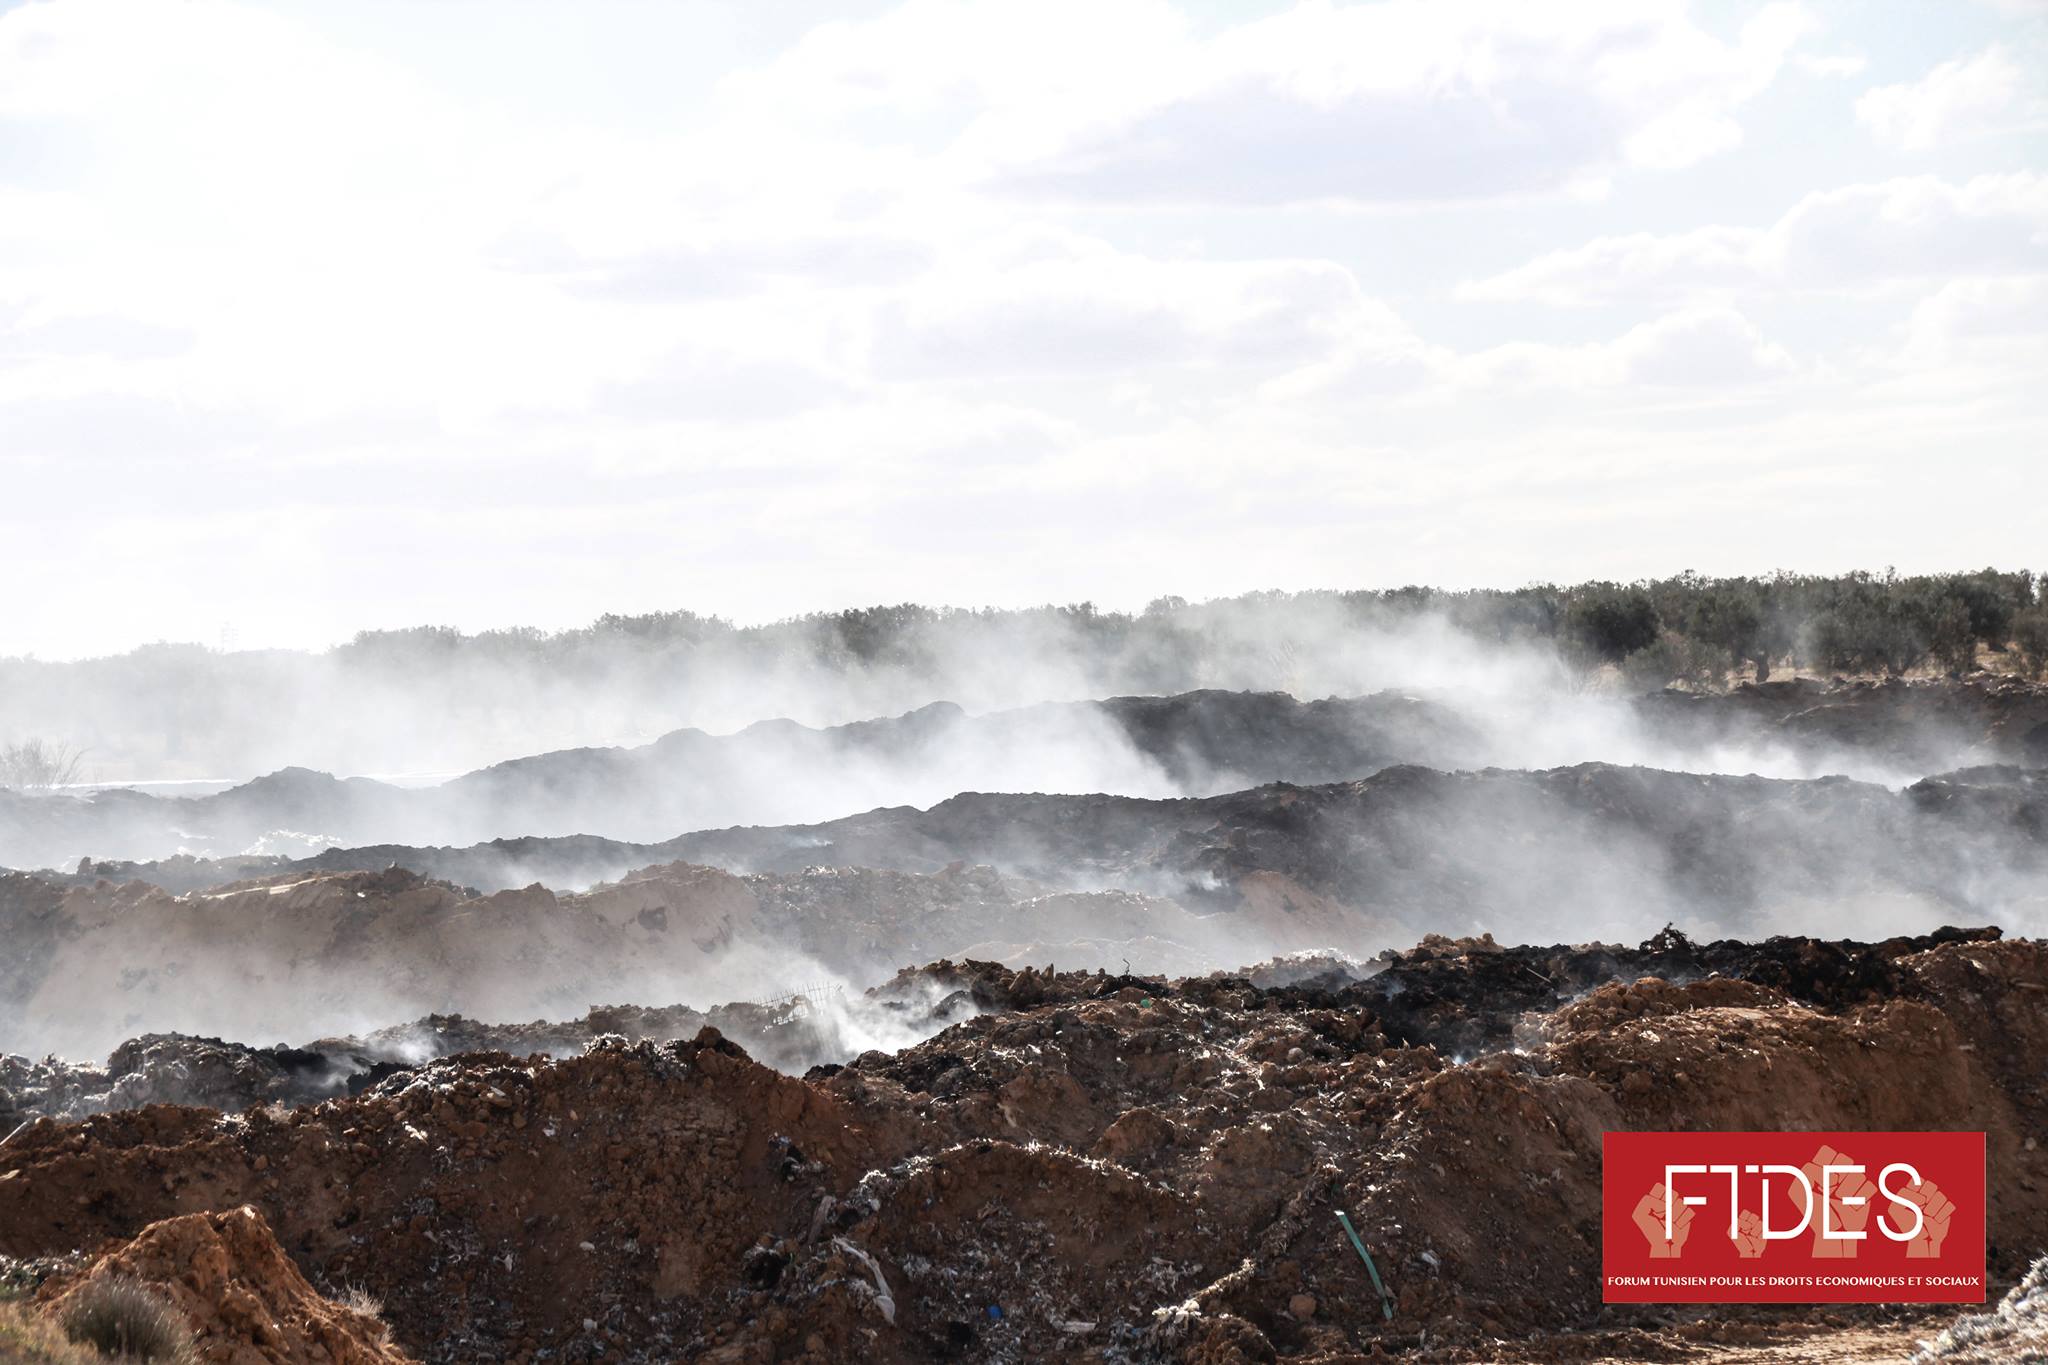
1092	1167
246	1302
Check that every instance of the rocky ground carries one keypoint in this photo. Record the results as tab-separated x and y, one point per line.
1086	1167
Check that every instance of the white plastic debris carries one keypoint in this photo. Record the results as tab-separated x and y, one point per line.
818	1217
884	1300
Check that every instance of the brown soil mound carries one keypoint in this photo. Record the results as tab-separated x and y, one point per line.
1101	1169
246	1302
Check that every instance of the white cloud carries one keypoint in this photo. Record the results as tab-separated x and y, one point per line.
1052	303
1979	320
1709	349
1406	101
1399	101
1703	347
1082	280
1853	237
307	213
1838	65
1958	99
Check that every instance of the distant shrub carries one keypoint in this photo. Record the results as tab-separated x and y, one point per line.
121	1317
1871	625
2030	638
1611	622
38	765
1730	618
1950	636
1674	659
1992	600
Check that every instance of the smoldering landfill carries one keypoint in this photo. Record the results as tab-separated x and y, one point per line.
1022	1076
1084	1166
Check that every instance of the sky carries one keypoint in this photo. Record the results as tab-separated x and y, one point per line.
325	317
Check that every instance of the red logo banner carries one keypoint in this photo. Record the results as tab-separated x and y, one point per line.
1793	1217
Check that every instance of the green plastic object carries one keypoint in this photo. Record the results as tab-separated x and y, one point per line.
1386	1299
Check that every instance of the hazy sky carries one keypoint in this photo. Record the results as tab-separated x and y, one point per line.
316	317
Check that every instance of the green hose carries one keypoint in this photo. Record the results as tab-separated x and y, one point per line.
1386	1299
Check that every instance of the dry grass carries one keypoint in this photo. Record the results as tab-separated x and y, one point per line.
127	1320
357	1299
27	1338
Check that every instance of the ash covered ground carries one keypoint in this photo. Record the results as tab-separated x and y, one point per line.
611	1055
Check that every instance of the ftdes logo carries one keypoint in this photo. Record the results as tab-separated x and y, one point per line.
1793	1217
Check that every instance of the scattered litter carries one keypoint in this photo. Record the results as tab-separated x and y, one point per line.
818	1217
1386	1299
884	1300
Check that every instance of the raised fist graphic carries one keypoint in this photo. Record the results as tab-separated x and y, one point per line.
1749	1236
1935	1212
1649	1216
1842	1216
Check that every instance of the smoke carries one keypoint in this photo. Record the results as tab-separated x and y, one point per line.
413	706
341	958
1570	855
1004	703
1128	834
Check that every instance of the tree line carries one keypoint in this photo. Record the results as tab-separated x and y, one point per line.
1688	629
438	698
